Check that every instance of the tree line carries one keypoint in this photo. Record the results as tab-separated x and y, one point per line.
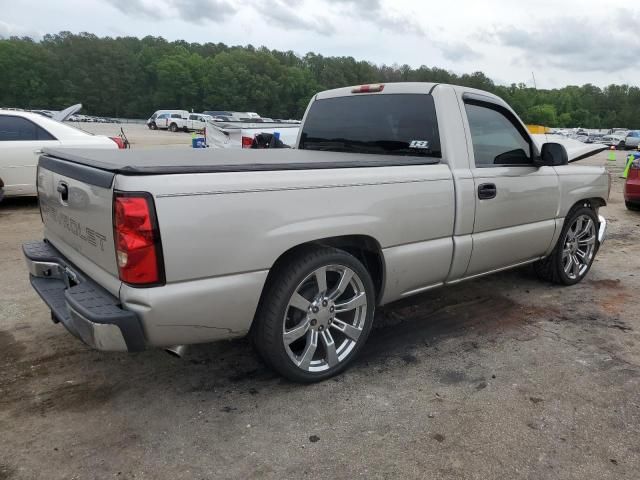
131	78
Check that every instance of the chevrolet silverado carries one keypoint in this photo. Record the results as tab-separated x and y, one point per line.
391	190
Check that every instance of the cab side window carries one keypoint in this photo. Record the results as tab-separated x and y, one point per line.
497	141
20	129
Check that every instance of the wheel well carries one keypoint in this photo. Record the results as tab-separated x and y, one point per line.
364	248
593	203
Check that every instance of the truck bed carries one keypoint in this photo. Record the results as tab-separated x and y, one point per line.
172	161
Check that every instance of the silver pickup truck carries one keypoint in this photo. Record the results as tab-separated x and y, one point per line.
392	190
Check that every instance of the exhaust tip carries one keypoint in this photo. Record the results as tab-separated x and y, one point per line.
176	350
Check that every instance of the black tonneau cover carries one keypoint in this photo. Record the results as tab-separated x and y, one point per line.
173	160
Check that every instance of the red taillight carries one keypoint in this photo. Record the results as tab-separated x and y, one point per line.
137	239
118	141
368	88
247	142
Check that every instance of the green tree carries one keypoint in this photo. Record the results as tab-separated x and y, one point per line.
541	115
128	76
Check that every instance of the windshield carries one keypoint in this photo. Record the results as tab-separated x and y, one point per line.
392	124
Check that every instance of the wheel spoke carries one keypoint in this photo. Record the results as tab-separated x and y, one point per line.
297	332
586	230
348	330
586	241
330	348
358	301
576	266
299	302
581	255
345	278
309	350
321	279
569	265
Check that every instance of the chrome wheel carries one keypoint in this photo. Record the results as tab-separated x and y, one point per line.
579	247
324	318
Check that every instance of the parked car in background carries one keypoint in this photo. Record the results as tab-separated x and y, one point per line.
23	135
632	140
195	122
632	186
614	140
229	116
594	138
392	190
243	134
163	119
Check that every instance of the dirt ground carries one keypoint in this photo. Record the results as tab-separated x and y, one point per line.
504	377
138	134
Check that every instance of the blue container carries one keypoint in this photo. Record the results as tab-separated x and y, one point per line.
197	142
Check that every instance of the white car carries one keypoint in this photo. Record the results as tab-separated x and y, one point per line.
23	135
167	119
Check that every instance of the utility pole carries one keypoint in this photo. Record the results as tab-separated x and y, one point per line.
534	81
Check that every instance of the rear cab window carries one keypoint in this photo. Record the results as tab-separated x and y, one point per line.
383	124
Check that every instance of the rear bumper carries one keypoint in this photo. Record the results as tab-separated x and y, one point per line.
82	306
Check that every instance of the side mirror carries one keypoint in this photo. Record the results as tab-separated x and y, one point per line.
553	155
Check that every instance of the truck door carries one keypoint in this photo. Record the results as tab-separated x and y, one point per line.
516	202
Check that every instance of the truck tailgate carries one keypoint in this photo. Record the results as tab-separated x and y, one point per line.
76	202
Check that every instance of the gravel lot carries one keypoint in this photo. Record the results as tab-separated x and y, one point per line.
138	134
504	377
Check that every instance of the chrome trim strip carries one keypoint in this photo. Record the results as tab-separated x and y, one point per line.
602	230
477	275
310	187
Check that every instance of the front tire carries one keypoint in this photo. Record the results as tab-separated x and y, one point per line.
315	315
573	255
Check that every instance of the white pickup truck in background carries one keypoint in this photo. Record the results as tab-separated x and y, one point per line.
392	190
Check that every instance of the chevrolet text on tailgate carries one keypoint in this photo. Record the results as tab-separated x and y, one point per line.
392	190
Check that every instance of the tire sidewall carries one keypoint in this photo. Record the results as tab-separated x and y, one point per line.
563	235
280	359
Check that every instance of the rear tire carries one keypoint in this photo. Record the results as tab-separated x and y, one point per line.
573	255
635	207
315	315
173	127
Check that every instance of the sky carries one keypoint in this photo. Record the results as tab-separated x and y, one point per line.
560	43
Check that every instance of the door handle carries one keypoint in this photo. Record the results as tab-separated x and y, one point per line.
487	191
63	190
